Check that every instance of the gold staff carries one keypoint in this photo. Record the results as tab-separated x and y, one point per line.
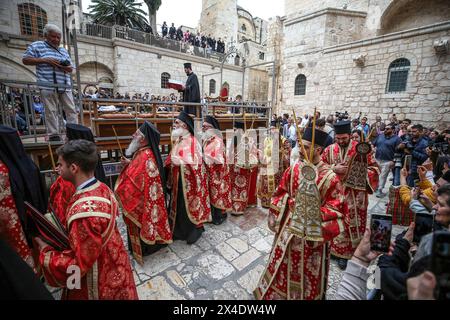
118	142
299	137
311	153
51	156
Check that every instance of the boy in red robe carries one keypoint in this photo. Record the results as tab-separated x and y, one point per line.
298	265
339	156
61	190
96	254
140	189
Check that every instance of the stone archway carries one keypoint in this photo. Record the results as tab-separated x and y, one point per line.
408	14
92	72
12	70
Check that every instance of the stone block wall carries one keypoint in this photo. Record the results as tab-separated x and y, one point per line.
335	83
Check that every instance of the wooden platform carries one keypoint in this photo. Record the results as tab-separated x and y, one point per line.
106	141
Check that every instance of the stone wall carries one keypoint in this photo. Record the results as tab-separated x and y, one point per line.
138	69
335	83
9	14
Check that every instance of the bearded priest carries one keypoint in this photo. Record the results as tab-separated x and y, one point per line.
141	192
219	181
188	182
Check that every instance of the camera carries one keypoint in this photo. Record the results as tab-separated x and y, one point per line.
64	63
441	148
341	115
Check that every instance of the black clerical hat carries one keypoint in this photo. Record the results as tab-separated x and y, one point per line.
188	65
153	136
77	131
343	127
212	121
273	123
187	119
320	137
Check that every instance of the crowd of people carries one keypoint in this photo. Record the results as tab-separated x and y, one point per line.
199	40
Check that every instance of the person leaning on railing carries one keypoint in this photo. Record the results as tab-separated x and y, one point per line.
53	66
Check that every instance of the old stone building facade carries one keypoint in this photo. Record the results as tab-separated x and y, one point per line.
111	58
376	57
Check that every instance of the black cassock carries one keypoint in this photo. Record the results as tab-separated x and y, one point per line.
191	93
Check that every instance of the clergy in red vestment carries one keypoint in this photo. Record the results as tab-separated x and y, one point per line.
96	252
140	190
188	182
244	170
305	214
348	164
20	181
61	190
219	181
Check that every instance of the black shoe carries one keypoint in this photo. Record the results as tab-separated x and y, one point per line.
194	235
54	138
342	263
219	220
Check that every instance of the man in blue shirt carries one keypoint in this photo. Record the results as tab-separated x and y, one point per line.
416	147
53	67
385	145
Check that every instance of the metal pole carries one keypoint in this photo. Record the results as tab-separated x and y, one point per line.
77	70
273	87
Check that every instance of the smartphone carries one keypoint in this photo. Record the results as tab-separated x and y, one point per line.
407	163
424	225
381	229
440	264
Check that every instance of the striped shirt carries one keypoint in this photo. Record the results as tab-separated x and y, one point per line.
46	73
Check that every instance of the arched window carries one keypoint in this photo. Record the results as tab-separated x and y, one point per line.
164	79
243	28
300	85
32	19
398	75
212	86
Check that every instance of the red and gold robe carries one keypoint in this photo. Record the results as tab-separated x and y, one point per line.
244	176
61	192
141	195
96	248
298	269
356	201
186	161
218	172
10	225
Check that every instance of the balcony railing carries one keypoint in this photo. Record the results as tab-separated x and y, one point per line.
107	32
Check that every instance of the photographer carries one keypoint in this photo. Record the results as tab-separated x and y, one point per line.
415	146
53	65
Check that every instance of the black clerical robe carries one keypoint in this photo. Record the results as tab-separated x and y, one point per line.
191	92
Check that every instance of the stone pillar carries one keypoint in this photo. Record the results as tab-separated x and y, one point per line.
219	18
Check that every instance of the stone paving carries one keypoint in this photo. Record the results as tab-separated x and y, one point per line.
224	264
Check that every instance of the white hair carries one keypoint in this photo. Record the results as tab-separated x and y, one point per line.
51	28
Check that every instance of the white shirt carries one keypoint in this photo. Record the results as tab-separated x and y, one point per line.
81	186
